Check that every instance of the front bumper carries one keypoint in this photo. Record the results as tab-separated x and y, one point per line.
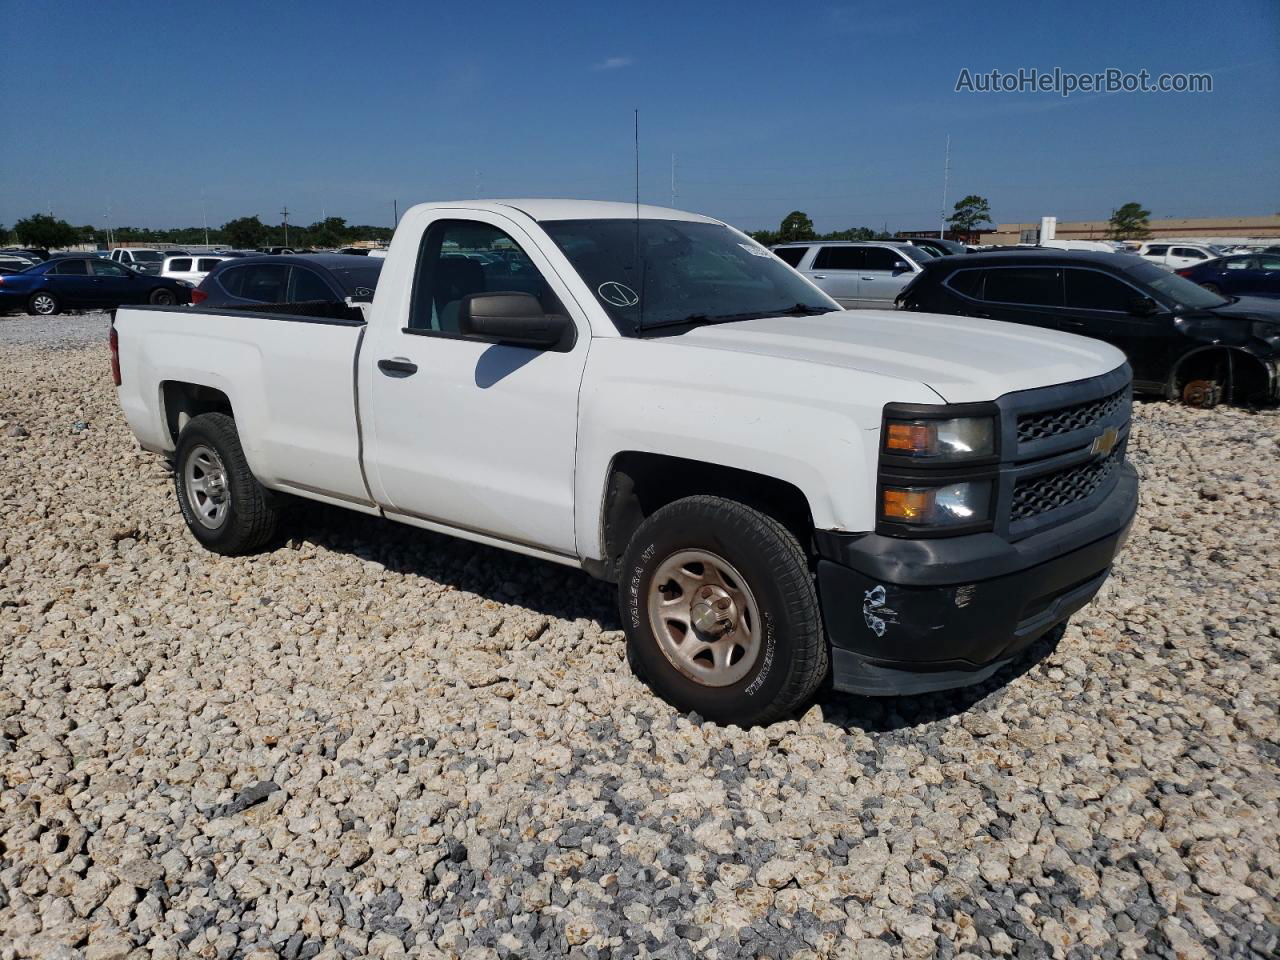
913	616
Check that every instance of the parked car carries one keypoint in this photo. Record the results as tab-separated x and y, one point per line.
1251	275
857	274
317	278
192	269
34	254
176	253
774	486
277	251
1171	256
935	245
67	282
1182	341
14	262
141	259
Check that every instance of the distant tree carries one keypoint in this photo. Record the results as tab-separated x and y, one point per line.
245	232
1130	223
42	230
796	225
329	232
766	237
969	213
853	233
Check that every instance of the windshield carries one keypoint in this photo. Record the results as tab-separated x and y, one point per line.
1180	290
687	273
919	254
147	256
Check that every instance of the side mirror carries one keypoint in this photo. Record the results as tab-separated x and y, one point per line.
900	266
1143	307
515	319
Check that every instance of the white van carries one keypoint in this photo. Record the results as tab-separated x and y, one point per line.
191	268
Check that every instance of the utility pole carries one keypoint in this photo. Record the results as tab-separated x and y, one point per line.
284	213
946	175
204	214
395	214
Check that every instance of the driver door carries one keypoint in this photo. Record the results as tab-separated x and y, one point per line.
463	434
115	284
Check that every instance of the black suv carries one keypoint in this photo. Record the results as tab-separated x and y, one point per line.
1182	341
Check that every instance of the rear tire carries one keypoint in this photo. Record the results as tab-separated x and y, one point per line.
225	507
721	612
44	304
161	297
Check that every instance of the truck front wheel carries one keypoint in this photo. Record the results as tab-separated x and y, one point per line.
225	507
721	612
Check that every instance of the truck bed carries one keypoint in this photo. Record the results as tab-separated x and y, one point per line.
290	379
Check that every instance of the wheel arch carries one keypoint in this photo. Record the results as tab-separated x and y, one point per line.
180	400
1245	376
638	483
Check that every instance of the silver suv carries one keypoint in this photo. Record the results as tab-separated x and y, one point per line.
857	274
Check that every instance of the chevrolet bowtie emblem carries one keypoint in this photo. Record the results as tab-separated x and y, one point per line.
1105	442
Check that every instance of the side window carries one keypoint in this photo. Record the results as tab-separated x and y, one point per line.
1093	290
180	264
265	282
967	283
72	268
881	258
1159	250
204	266
305	286
791	255
105	268
1268	263
1240	263
232	280
1032	286
115	254
1190	252
461	257
840	258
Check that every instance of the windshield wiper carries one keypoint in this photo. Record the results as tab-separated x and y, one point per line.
796	310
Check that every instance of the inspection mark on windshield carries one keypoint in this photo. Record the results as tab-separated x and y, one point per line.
756	251
618	294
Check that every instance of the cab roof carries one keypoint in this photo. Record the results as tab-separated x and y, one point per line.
542	209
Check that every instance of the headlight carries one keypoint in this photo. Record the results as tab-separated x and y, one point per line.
958	504
938	441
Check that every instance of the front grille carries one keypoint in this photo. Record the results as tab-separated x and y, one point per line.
1049	491
1051	423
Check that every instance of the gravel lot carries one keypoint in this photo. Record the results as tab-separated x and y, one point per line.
374	741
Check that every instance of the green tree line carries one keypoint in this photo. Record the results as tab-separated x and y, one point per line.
50	233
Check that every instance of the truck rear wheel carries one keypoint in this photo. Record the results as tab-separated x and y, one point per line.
225	507
721	613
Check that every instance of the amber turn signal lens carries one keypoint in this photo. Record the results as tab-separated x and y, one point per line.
909	437
906	504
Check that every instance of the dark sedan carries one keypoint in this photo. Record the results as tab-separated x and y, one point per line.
1182	340
1245	275
73	282
319	278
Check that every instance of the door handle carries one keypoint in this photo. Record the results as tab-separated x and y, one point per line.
398	366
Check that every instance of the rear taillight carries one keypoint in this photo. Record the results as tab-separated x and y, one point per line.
114	341
1186	271
198	296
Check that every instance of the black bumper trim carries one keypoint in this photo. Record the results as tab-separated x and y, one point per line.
952	611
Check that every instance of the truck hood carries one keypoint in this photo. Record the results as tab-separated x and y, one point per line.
960	358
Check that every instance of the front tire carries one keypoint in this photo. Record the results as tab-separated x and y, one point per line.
44	304
225	507
721	612
161	297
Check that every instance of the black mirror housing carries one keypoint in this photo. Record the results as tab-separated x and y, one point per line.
515	319
1143	307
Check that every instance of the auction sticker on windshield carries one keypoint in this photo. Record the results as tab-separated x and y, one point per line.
618	294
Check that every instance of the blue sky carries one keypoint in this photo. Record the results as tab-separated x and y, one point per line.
838	109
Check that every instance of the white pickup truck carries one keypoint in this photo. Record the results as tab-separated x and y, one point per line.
785	493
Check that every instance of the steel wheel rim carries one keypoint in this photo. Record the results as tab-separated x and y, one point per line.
43	304
205	479
163	297
705	618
